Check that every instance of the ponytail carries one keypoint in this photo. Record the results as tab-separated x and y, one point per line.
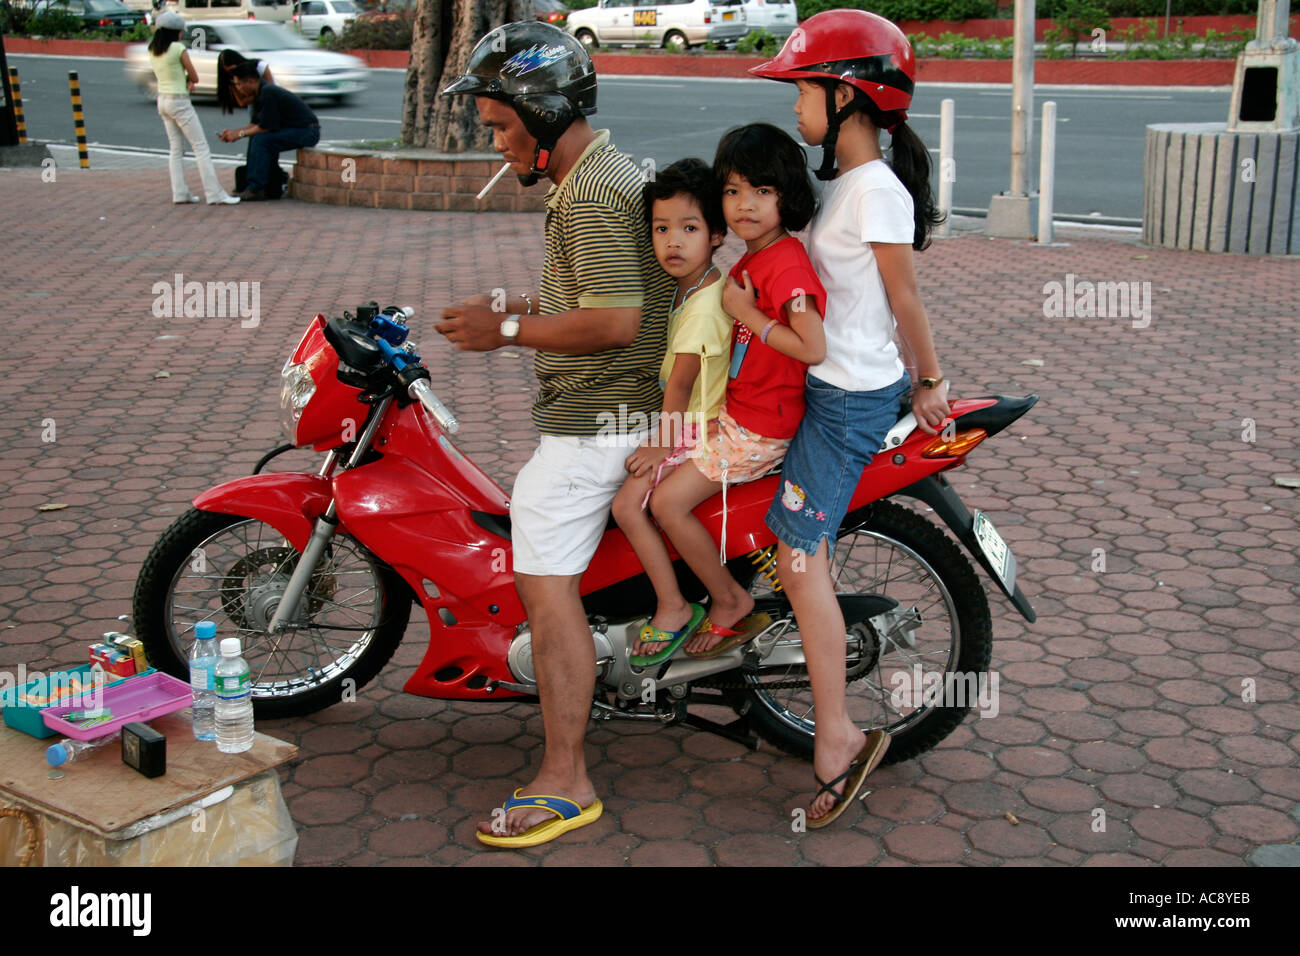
908	157
910	161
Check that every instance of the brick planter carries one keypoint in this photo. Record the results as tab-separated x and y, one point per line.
409	179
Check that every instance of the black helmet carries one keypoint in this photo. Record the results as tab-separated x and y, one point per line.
542	72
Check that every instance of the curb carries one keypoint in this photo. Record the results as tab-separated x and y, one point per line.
1055	72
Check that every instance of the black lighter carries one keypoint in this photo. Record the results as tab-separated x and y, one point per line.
144	749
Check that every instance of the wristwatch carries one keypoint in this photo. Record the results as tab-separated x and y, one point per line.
510	328
930	382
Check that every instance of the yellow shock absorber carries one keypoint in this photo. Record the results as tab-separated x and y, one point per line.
765	560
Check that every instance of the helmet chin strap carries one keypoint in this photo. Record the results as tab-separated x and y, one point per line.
541	160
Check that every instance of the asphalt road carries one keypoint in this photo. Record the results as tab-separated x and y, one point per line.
1099	136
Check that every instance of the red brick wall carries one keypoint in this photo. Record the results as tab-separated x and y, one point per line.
1093	72
985	29
437	184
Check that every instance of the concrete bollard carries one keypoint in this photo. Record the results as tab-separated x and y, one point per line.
1047	172
947	165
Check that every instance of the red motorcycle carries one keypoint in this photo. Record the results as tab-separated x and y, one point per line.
316	572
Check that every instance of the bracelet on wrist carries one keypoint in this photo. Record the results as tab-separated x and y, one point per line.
527	299
762	336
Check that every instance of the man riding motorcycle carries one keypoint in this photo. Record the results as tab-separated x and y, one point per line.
599	327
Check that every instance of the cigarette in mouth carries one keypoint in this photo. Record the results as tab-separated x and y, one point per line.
495	179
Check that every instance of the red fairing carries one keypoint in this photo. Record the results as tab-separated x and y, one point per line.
333	416
289	503
412	509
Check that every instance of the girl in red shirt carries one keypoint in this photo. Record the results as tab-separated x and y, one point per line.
777	303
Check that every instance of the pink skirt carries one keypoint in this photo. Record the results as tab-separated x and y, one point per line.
682	453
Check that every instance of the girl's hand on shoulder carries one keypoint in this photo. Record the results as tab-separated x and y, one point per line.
930	408
741	302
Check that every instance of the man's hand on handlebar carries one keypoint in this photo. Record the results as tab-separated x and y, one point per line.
472	327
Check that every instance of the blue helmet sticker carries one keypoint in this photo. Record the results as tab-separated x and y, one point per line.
535	57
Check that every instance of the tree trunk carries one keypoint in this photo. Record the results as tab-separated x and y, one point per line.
442	36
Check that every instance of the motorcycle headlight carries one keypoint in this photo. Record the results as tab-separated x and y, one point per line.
296	390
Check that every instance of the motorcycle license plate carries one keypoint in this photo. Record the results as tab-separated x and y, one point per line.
995	549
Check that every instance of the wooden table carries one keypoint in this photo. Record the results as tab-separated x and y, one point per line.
103	812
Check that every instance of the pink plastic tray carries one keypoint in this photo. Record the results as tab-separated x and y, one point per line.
138	698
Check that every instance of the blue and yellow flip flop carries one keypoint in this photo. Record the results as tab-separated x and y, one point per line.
675	639
569	816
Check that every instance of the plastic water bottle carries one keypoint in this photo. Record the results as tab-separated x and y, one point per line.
70	751
203	665
234	710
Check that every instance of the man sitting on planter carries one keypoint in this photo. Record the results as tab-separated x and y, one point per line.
280	122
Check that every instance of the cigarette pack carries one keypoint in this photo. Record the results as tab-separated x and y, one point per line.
135	647
111	660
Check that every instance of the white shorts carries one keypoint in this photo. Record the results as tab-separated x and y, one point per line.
560	504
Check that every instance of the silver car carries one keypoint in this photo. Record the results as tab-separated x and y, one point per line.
317	18
296	64
778	17
673	24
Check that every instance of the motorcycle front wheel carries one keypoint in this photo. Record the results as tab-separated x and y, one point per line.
915	671
232	570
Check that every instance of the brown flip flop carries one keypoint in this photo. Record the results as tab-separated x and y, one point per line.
867	760
750	628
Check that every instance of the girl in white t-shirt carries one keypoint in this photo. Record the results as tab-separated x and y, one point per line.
854	72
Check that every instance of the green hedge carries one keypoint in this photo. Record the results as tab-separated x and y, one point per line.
22	22
981	9
1156	8
387	33
906	9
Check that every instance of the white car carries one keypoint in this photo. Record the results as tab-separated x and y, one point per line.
296	64
675	25
778	17
321	18
277	10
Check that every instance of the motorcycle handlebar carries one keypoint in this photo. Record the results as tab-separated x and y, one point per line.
422	393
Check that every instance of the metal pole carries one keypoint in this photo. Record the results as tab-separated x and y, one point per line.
947	166
1022	97
1047	172
17	92
78	119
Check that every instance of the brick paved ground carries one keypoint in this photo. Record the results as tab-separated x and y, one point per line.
1125	696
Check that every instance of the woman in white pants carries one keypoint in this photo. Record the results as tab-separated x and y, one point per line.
176	77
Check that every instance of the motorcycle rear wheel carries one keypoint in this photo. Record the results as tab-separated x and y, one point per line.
890	550
231	569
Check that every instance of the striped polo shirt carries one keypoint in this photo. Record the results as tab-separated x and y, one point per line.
599	256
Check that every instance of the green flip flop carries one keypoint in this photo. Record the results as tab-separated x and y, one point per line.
675	639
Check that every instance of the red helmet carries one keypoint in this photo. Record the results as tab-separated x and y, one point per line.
850	46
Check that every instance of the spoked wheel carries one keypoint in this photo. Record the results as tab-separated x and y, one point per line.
233	570
915	671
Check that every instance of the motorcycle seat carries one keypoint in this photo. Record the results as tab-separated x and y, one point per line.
499	525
